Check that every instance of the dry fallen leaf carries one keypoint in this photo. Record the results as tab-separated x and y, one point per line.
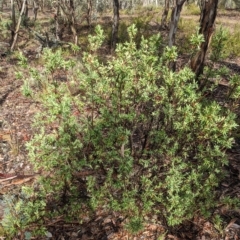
6	137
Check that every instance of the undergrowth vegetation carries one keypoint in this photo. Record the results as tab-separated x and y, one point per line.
225	43
129	135
233	44
192	9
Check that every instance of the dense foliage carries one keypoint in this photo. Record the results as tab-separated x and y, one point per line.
126	134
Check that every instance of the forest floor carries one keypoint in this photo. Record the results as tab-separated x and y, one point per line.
16	116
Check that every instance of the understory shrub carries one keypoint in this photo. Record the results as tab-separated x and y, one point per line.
129	136
218	44
232	47
225	43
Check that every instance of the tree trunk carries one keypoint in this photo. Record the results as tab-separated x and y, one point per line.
25	15
35	8
13	17
69	12
19	4
176	11
165	14
115	24
41	5
18	26
26	10
58	34
89	13
208	15
71	4
73	22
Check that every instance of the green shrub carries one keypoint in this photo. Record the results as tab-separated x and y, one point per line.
20	213
218	44
187	29
143	26
232	47
122	33
225	43
4	27
135	138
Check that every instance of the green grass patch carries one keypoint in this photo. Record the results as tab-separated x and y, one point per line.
232	47
191	9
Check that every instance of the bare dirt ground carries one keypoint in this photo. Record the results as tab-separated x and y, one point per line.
16	115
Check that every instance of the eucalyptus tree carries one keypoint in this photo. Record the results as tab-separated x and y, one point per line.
35	8
67	12
89	11
175	16
115	24
207	26
13	20
15	26
165	14
207	21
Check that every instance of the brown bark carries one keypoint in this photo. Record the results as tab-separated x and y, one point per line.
71	4
115	24
13	18
56	19
207	20
19	4
89	13
69	12
25	15
35	9
26	10
165	14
